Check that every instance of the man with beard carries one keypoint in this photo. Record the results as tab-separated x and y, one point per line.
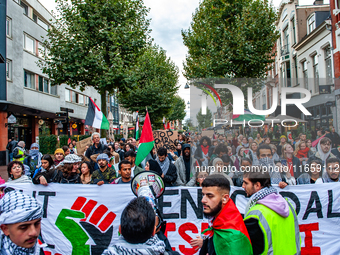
227	233
271	221
332	170
105	174
20	222
185	168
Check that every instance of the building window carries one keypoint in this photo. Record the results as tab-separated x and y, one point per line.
54	90
41	50
293	28
25	7
67	95
81	99
263	100
29	80
311	23
86	101
42	23
29	43
8	27
316	73
305	74
9	69
328	64
73	96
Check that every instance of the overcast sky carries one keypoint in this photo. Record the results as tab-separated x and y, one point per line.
168	18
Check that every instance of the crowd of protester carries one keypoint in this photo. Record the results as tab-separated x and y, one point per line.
193	157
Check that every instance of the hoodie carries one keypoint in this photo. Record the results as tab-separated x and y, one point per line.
276	203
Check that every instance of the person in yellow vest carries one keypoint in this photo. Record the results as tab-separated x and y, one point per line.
271	220
19	152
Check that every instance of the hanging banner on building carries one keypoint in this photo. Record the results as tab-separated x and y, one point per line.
84	219
165	138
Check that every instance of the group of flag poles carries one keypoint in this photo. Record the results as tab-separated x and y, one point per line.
97	119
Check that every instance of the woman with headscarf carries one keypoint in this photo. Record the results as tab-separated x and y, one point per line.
252	153
33	160
219	168
70	169
202	153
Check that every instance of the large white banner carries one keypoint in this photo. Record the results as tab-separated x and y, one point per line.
84	219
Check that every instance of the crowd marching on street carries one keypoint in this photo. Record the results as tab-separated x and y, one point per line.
214	163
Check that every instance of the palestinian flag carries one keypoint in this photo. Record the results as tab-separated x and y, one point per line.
248	115
229	233
137	127
95	118
146	141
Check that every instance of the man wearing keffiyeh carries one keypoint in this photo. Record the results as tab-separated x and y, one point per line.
271	221
227	234
20	217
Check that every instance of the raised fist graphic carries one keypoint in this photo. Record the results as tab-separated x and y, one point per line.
95	222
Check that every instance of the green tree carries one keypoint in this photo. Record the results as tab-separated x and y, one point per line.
204	121
94	43
231	39
188	125
153	82
178	109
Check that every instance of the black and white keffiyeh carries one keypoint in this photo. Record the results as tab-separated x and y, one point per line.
153	246
10	248
17	207
164	165
258	196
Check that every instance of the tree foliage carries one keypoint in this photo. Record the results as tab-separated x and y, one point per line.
231	39
204	121
95	42
153	82
177	110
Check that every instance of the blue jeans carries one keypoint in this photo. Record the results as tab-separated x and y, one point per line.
10	156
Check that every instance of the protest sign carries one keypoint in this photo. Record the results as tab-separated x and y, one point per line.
81	145
165	138
208	133
86	217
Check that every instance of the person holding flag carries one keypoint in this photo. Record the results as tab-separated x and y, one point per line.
227	233
146	142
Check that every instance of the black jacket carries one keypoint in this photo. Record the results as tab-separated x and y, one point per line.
208	247
171	175
92	150
256	235
52	175
10	146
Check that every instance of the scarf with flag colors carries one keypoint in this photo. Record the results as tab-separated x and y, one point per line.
248	115
146	141
229	233
95	117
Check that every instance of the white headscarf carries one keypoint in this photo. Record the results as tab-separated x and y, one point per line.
323	156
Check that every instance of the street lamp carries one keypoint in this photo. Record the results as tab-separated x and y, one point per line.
186	86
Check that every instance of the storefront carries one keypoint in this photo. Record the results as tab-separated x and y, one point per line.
322	116
21	130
